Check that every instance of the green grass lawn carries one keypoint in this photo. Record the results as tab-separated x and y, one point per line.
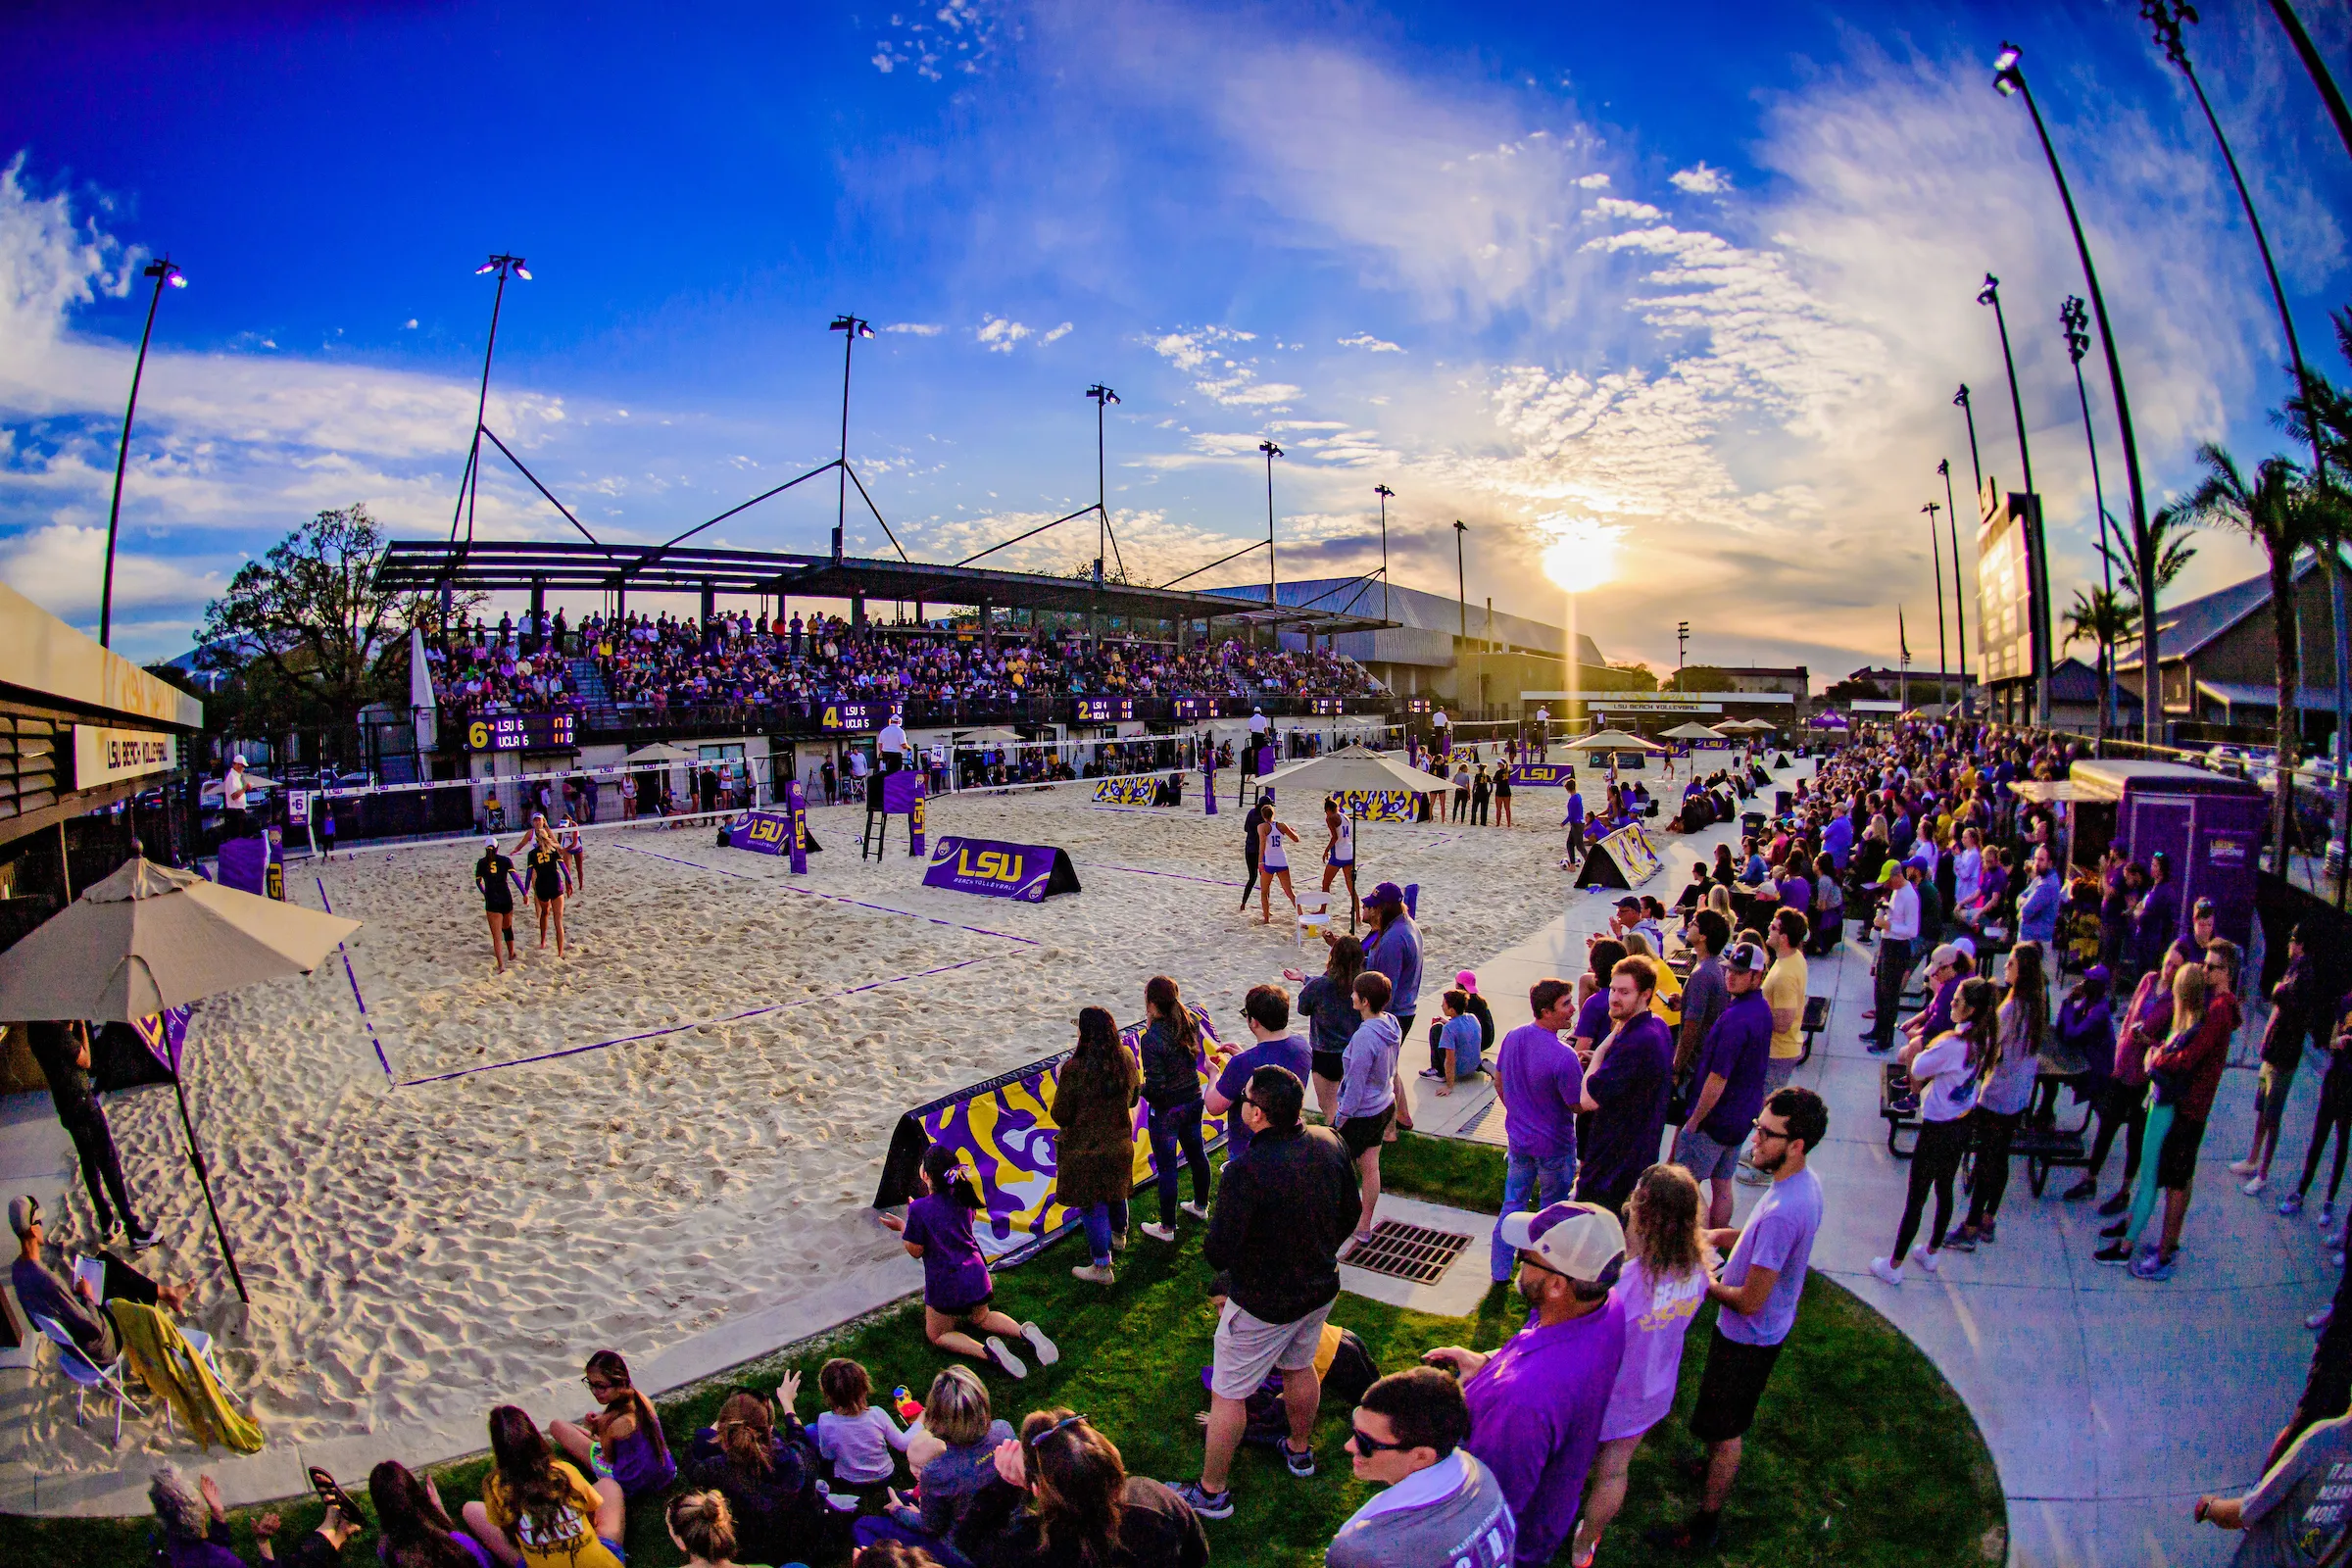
1862	1455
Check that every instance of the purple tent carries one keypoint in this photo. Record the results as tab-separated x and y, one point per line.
1830	722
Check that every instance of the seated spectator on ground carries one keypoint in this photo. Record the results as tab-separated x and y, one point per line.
192	1529
538	1512
703	1527
412	1529
1062	1499
77	1307
958	1415
854	1435
767	1471
1441	1503
634	1451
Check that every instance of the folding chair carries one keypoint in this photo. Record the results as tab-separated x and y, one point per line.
87	1373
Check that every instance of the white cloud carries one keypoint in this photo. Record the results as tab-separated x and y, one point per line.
409	325
1204	349
1616	207
1593	182
1000	335
1056	335
1365	340
915	329
62	569
1699	180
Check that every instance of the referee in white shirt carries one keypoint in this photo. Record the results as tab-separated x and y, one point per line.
1898	934
892	744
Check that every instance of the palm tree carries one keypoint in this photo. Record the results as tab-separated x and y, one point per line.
2284	513
2101	618
2169	554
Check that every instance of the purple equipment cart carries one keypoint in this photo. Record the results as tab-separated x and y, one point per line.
2210	826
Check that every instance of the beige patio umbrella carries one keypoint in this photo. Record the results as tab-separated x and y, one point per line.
149	938
1353	767
1693	731
995	734
1612	740
662	752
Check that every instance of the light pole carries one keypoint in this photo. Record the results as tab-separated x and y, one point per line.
2038	574
1386	494
504	266
2073	317
2008	79
1951	523
1936	549
1976	466
852	329
1461	584
163	272
1681	645
2317	66
1103	397
1273	594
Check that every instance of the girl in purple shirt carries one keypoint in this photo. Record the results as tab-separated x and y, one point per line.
1658	1291
956	1285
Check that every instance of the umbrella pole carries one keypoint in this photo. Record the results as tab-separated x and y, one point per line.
204	1178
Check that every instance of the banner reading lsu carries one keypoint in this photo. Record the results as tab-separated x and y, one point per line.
1029	872
1135	789
1004	1130
1540	774
764	832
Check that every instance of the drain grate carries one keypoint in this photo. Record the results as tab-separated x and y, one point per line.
1412	1252
1490	1126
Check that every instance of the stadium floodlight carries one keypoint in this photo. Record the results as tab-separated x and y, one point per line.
1273	590
852	329
163	272
504	265
853	325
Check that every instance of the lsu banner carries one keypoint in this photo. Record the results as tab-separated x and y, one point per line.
763	832
1004	1130
166	1034
1378	806
256	865
795	805
1029	872
1557	774
1624	858
1136	789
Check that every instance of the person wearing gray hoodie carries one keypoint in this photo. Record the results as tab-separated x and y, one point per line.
1371	1088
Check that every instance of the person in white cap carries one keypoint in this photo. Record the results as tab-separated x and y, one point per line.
892	743
1536	1404
233	797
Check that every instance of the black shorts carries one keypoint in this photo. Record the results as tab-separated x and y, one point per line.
1362	1134
1331	1064
1731	1385
2177	1162
498	906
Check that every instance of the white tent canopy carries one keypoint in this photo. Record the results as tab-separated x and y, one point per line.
1612	740
1353	767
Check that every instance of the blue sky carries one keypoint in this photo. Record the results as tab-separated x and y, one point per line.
1686	286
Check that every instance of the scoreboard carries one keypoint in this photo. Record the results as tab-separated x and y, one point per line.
1330	707
854	715
522	732
1196	707
1104	710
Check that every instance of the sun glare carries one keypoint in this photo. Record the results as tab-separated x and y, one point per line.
1583	553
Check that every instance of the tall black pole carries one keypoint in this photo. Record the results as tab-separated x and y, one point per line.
2007	78
2073	317
847	325
1272	452
1951	521
2037	571
1384	492
160	271
2320	77
1943	658
204	1178
2167	20
1976	465
472	480
1461	582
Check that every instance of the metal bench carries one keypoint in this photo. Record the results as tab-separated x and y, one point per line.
1816	1019
1899	1105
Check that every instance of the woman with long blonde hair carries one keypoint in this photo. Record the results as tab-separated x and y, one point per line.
2023	1028
1658	1290
2190	987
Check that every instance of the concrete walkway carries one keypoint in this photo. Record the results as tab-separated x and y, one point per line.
2109	1403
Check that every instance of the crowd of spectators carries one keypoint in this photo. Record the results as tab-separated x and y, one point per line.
663	662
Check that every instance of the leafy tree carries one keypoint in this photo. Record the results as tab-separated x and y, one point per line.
308	636
1698	678
2150	572
1846	691
2284	513
1639	677
2103	618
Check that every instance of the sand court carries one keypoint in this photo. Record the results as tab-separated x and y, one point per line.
681	1123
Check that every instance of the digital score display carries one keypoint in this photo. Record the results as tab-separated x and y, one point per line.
1104	710
522	732
1329	706
1196	707
852	715
1416	704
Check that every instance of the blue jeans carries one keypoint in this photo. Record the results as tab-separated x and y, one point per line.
1102	1221
1546	1179
1178	1126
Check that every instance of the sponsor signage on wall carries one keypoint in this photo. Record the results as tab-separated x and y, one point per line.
102	755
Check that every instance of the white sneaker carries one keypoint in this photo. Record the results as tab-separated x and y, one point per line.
1885	1271
1094	1273
1012	1364
1196	1210
2242	1167
2255	1185
1928	1260
1157	1231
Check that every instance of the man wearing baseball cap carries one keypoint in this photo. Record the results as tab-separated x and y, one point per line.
1730	1074
1898	921
1536	1404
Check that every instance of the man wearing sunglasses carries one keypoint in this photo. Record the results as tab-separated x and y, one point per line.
1443	1504
1537	1404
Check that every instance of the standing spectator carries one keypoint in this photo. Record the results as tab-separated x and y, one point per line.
1541	1083
1371	1090
1626	1085
1266	1009
1537	1404
2022	1026
1728	1081
1286	1208
2334	1115
1574	822
2297	1516
2191	1069
2297	1011
1093	1167
1443	1504
1945	1071
1898	920
1786	993
62	1051
1329	1002
1171	1052
1706	993
2156	918
1396	951
2144	1028
1658	1294
2043	898
1757	1289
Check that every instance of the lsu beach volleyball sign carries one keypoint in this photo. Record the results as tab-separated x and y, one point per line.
1525	776
1004	1134
1029	872
763	832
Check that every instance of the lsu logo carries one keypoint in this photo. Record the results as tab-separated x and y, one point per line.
915	814
768	831
993	864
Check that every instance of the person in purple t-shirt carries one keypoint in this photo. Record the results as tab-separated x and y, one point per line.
956	1285
1537	1404
1730	1075
1592	992
1267	1012
1541	1083
1627	1084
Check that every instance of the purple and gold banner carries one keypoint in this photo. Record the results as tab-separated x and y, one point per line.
796	807
1542	774
1132	789
1029	872
1377	805
166	1034
1004	1131
763	832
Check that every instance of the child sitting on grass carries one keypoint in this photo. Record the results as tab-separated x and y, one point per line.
957	1285
854	1435
962	1437
623	1440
